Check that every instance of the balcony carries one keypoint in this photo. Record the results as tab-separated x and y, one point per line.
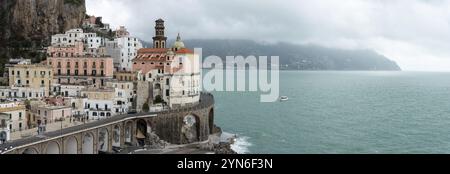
100	109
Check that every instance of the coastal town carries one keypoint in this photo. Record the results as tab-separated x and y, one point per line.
93	74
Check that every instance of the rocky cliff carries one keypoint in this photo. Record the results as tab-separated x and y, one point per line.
27	25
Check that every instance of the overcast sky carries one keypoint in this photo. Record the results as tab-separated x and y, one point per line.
414	33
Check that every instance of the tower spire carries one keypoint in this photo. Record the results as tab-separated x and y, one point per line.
160	40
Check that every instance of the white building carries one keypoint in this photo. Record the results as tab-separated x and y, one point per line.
79	110
125	93
17	116
104	103
124	50
21	93
71	90
4	128
90	40
69	38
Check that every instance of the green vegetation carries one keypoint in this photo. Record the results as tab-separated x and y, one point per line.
74	2
106	34
145	107
158	99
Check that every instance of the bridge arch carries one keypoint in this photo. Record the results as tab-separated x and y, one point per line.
88	143
211	121
30	151
141	131
190	129
103	140
116	136
53	147
71	145
129	132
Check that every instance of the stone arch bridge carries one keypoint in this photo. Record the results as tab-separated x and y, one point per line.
179	126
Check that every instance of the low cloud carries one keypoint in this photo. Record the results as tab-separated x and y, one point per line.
415	33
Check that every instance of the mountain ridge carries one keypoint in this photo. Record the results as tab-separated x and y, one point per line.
296	57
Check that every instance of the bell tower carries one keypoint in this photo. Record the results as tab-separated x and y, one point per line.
160	40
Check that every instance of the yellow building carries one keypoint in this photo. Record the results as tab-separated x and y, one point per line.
36	77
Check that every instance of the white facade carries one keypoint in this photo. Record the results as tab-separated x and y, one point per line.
125	94
94	42
185	85
71	90
69	38
77	35
21	93
4	128
17	116
99	109
124	50
78	106
104	103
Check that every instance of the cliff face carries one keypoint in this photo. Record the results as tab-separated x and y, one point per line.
39	19
27	25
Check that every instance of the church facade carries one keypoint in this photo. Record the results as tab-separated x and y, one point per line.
174	72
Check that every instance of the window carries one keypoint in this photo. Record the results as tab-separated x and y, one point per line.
167	93
167	81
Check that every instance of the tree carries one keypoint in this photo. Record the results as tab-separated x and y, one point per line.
158	99
146	107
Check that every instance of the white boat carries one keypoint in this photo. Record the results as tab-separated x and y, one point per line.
284	98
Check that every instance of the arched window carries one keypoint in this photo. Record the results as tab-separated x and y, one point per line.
102	114
94	114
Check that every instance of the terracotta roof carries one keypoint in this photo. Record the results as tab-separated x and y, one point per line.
185	51
153	50
161	57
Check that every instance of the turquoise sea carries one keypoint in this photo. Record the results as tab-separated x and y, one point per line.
343	113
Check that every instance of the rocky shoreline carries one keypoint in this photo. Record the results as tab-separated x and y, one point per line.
220	143
217	143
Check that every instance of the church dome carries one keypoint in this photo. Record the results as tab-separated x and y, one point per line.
178	43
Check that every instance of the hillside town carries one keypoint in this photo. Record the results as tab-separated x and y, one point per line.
93	73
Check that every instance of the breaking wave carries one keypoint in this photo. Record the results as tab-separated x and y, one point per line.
241	145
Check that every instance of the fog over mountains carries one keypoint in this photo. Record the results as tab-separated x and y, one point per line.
297	57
